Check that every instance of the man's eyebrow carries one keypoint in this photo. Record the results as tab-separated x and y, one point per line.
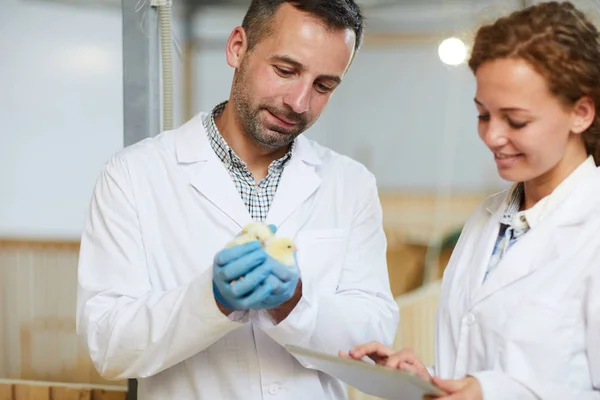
298	65
287	60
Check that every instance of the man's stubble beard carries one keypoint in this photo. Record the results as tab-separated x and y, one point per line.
249	117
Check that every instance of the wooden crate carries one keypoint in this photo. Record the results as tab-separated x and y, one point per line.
35	390
406	266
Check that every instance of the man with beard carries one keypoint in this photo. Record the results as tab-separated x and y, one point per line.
162	298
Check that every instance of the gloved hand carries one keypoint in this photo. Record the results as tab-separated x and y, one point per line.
283	279
247	261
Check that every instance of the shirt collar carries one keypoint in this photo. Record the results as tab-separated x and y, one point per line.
218	144
225	152
543	207
534	215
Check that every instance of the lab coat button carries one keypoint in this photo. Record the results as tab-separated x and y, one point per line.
470	319
273	389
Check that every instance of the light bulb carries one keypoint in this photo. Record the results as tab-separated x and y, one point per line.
452	51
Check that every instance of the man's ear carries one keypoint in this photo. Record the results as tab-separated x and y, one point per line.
237	47
584	112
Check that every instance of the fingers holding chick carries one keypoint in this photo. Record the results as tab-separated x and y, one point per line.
254	231
281	249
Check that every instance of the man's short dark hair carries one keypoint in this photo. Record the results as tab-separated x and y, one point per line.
336	14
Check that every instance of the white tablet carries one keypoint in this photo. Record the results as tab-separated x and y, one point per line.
371	379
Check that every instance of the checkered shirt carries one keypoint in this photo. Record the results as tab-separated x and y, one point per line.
513	225
257	197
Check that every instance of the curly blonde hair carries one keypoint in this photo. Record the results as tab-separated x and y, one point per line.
560	43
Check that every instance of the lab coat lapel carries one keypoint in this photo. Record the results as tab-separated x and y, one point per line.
298	182
207	174
483	252
213	182
547	243
534	250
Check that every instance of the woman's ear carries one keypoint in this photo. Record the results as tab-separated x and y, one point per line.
584	112
237	47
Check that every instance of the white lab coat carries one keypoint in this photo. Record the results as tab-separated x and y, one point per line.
160	212
532	330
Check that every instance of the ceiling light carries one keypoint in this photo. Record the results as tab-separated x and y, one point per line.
452	51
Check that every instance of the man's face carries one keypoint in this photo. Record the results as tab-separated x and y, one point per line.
282	85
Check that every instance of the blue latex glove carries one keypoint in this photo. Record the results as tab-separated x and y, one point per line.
283	279
247	261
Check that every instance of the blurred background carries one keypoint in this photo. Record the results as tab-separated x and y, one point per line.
405	110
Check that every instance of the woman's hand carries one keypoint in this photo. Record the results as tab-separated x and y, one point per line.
404	359
461	389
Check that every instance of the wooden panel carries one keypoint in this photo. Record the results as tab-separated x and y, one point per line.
421	218
37	390
38	292
29	392
30	244
6	391
67	393
108	395
416	329
3	325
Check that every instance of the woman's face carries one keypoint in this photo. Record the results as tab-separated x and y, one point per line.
531	133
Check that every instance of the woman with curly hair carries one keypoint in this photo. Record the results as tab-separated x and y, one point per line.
519	309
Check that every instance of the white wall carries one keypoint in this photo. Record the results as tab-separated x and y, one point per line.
61	113
415	118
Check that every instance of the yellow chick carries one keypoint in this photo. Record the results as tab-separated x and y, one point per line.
251	232
282	250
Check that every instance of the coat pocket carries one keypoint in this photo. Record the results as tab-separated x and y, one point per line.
321	254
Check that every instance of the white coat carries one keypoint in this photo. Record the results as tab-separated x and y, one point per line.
532	330
163	208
